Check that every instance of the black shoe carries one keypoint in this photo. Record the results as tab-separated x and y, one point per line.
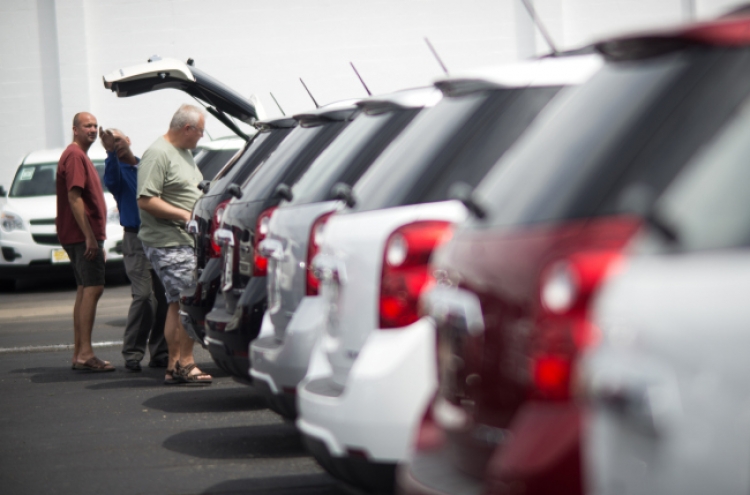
132	365
158	363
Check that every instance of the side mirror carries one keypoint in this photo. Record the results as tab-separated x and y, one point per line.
3	192
284	192
344	193
235	190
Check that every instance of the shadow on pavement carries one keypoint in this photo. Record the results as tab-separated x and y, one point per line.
63	374
205	399
239	442
311	484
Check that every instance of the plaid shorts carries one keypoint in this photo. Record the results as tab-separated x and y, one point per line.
175	267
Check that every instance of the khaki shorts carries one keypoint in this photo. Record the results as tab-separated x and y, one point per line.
175	267
88	272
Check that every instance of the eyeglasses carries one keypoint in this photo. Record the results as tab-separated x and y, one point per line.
199	129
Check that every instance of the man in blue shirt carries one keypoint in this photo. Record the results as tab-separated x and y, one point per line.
148	309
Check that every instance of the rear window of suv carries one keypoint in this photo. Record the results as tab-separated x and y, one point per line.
634	123
457	140
708	204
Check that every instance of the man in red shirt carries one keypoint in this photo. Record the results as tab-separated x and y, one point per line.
81	227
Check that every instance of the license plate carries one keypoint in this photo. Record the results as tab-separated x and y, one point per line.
59	255
228	265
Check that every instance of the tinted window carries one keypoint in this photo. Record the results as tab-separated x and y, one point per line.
350	154
457	140
210	162
262	145
634	123
40	180
297	150
708	205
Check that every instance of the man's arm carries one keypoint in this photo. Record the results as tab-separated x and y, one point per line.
79	213
157	207
112	174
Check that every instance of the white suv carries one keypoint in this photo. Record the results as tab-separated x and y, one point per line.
28	236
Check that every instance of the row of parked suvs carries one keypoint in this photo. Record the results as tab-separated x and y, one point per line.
530	279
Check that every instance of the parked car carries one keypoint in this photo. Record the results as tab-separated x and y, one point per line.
28	236
236	316
280	356
512	304
371	372
199	298
664	388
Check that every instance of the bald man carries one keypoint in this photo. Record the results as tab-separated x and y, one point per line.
81	228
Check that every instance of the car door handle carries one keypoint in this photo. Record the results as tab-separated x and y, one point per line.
456	307
192	227
271	248
224	237
328	268
646	401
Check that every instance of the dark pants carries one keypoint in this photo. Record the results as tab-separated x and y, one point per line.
148	310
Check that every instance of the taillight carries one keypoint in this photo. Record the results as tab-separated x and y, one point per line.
260	263
215	251
405	270
313	247
564	328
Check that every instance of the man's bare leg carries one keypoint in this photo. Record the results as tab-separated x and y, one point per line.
186	344
86	316
173	336
77	324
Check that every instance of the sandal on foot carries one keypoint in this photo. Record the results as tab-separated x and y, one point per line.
183	375
170	378
95	365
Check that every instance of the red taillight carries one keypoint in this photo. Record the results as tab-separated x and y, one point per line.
313	247
405	270
564	328
215	249
260	264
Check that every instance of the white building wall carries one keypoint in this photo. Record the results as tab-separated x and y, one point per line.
53	53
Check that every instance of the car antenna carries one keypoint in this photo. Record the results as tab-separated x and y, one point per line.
538	23
360	79
277	104
308	92
437	57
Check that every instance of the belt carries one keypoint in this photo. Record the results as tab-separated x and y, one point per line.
134	230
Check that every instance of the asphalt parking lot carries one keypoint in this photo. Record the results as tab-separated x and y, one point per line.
64	431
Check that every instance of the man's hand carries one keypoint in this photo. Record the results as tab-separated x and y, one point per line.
108	139
92	248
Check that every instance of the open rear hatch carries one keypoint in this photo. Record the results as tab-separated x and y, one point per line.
220	100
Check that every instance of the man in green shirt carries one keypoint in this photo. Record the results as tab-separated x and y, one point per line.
167	191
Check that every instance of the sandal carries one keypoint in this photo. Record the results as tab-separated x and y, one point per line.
170	377
183	375
95	365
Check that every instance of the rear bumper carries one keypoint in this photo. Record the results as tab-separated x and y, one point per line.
228	335
358	471
386	393
281	365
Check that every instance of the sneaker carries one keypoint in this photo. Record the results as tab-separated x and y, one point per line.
132	365
158	363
